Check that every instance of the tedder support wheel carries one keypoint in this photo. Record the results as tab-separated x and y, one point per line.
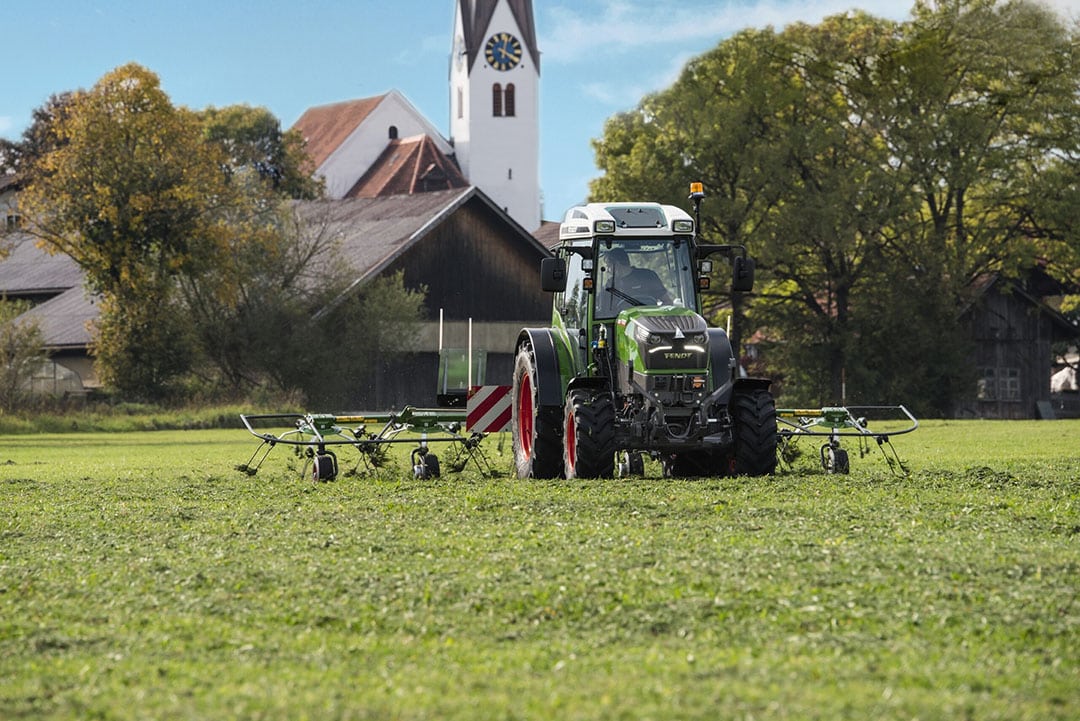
589	435
323	467
754	414
535	428
834	459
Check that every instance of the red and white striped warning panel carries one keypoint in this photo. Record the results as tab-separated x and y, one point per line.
488	409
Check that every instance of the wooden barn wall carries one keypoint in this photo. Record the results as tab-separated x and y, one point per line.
1010	332
474	266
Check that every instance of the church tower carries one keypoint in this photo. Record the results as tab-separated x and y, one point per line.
494	103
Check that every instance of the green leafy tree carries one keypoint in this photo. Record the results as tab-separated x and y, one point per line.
376	322
130	192
885	167
280	310
972	108
22	351
822	248
717	124
39	138
253	142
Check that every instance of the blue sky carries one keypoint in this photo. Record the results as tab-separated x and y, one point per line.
599	57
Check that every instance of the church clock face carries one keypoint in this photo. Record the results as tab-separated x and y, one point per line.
503	51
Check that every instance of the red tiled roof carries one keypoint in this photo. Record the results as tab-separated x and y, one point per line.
326	127
408	166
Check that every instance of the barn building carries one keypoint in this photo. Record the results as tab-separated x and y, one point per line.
1013	331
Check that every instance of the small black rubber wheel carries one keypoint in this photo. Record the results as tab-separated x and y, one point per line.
323	468
838	461
431	463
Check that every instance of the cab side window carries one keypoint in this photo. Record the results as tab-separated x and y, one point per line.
575	301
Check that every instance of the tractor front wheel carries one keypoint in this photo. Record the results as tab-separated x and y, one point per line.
589	435
535	428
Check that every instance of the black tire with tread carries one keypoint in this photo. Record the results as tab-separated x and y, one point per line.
754	415
589	429
539	456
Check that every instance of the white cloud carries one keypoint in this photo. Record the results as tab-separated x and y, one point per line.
1067	9
5	124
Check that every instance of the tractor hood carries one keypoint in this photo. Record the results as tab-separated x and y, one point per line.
665	338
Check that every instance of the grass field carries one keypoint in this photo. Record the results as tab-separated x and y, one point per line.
141	577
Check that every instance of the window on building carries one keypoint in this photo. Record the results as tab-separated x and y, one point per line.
460	103
999	384
508	100
1009	384
393	132
13	221
496	100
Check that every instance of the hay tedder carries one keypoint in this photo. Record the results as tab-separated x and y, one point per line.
317	439
834	423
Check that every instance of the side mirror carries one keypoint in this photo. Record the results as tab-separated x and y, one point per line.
553	275
742	274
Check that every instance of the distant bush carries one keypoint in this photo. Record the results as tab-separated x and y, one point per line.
128	417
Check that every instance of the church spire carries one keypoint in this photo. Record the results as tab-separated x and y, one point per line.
476	18
494	103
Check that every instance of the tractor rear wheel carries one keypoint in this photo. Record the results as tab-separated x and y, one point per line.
535	428
589	435
754	415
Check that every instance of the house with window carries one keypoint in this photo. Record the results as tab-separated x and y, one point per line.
60	306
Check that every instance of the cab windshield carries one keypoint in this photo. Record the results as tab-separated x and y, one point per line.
643	272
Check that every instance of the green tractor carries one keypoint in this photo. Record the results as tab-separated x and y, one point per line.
630	367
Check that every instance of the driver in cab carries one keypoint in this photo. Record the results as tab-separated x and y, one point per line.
630	285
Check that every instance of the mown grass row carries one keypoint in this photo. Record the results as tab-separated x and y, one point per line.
142	577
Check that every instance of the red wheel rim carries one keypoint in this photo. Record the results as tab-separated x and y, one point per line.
525	415
571	443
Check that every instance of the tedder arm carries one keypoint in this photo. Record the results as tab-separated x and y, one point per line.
313	434
836	422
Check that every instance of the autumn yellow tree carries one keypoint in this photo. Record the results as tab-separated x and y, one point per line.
134	193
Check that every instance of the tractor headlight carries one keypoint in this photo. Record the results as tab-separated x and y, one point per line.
644	335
